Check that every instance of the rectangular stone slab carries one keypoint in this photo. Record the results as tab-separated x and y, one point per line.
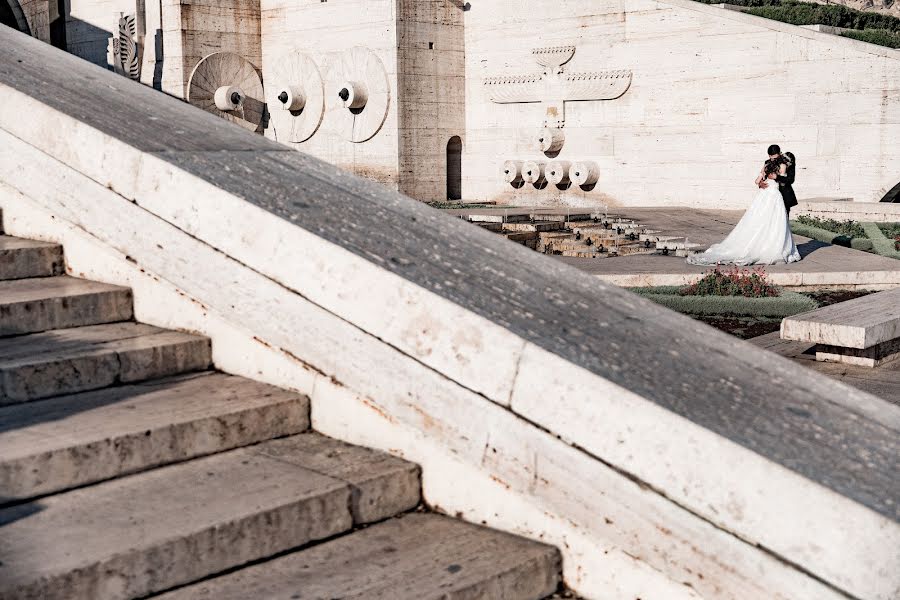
39	304
860	323
73	440
416	557
21	259
155	530
79	359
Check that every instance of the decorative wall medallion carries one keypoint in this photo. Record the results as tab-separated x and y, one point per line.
296	97
227	85
357	94
126	48
556	86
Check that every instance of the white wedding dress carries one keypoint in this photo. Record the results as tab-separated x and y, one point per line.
761	237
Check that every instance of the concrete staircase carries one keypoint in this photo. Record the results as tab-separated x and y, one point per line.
128	468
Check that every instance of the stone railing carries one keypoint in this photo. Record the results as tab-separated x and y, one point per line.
665	459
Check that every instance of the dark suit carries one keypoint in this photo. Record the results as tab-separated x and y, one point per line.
786	185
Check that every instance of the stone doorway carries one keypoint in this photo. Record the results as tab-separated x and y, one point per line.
454	168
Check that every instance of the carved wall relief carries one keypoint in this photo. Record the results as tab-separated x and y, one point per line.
554	87
357	94
227	85
296	97
127	46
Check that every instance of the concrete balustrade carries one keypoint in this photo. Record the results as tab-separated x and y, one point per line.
663	458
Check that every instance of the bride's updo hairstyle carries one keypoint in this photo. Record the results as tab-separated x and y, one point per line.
773	165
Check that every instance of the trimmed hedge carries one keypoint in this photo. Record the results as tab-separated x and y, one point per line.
785	305
883	245
797	12
871	27
881	37
830	237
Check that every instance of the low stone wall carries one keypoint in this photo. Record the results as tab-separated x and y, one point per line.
842	210
663	458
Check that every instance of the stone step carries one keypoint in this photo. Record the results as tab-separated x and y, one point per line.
66	361
539	226
415	557
41	304
655	237
22	259
74	440
152	531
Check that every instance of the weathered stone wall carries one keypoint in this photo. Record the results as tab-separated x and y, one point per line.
193	29
325	31
37	14
90	24
431	80
711	90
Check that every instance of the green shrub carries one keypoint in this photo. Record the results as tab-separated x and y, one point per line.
785	305
891	230
850	229
732	282
882	37
883	245
867	26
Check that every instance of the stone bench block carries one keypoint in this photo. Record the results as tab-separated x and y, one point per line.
860	323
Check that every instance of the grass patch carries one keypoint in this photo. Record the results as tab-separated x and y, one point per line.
868	237
830	237
883	245
785	305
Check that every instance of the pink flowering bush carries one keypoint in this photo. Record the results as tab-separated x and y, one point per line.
750	283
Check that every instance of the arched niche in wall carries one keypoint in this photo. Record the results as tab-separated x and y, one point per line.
454	168
11	15
893	195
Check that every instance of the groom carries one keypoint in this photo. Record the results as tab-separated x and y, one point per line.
786	181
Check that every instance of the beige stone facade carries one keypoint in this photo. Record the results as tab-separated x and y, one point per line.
574	102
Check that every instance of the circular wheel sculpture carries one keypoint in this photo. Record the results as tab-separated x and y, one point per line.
227	85
358	94
296	97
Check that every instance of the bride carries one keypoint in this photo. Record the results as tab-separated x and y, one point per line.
763	235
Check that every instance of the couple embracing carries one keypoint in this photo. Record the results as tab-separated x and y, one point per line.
763	235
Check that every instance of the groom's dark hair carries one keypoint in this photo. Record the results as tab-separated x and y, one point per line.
774	149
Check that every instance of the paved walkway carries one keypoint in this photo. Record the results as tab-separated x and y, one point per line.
883	381
823	265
